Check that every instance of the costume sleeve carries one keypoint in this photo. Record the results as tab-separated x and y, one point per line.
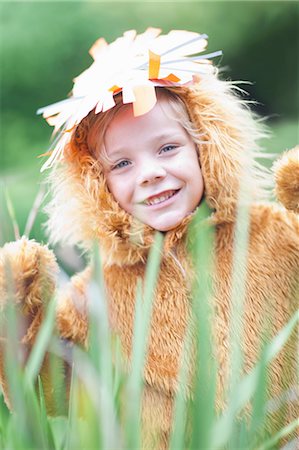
28	276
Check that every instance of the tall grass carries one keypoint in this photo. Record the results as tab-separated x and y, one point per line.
104	401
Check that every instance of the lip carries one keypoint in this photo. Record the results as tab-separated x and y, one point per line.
163	203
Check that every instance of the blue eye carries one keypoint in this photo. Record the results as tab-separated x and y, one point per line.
167	148
121	164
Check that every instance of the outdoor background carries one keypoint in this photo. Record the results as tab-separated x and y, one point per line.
44	45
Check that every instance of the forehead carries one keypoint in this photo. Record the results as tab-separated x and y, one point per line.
159	122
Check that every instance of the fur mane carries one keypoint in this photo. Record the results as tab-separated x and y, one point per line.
82	210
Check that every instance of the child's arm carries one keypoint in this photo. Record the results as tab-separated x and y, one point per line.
28	272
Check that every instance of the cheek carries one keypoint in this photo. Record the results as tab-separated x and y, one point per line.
200	187
196	185
200	180
121	191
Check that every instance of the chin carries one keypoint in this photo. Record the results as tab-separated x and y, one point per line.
163	229
167	225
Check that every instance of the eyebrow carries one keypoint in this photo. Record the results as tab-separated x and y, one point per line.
159	137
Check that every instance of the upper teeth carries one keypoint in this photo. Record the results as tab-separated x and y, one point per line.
160	199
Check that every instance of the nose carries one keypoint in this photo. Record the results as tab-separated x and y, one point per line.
150	172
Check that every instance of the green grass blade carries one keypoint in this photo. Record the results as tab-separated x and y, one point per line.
99	323
13	356
71	437
58	427
143	314
4	419
259	401
100	351
237	301
34	210
90	400
246	388
274	440
177	436
203	406
12	215
49	441
43	338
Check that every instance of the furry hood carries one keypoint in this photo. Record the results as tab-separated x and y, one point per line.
82	209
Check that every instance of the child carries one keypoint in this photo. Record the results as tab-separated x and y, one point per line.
141	147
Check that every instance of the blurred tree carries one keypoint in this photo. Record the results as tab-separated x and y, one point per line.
45	45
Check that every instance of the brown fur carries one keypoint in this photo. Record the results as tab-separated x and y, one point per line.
287	179
83	210
28	275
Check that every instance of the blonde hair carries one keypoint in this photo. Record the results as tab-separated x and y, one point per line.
98	123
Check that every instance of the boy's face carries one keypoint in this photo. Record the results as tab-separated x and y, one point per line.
153	172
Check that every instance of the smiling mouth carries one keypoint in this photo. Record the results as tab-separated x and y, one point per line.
160	198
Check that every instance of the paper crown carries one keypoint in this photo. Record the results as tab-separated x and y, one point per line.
134	65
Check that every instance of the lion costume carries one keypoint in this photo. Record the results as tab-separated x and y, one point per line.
83	210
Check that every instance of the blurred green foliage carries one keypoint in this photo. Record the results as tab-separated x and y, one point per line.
44	45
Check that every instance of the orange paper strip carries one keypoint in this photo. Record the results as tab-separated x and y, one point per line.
145	99
97	48
70	129
172	77
114	89
154	65
45	154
